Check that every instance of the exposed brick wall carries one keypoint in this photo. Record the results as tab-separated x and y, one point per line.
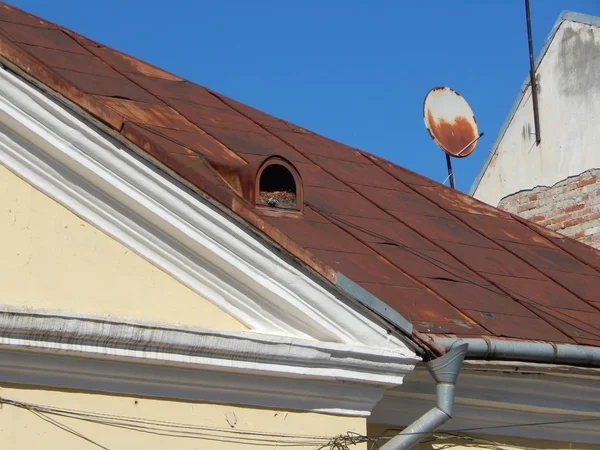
570	207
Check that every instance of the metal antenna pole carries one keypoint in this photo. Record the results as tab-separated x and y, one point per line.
533	82
450	174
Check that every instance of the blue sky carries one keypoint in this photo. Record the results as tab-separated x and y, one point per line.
355	71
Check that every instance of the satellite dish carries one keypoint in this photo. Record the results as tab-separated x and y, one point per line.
451	124
450	121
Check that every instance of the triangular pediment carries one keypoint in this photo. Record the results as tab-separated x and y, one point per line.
54	260
116	226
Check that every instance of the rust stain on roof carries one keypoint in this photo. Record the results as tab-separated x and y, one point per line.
449	264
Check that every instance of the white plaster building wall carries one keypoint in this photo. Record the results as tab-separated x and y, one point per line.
569	104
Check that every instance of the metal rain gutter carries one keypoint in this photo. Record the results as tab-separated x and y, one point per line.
538	352
444	371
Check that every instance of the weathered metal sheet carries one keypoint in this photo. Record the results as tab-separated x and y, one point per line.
335	203
148	114
526	328
450	121
434	264
254	143
371	230
406	176
540	295
317	235
455	201
446	262
373	303
503	230
120	88
433	314
165	140
577	325
396	202
178	90
364	268
583	286
492	261
11	14
445	229
207	116
85	63
486	300
119	61
312	144
261	118
547	257
41	37
313	175
359	173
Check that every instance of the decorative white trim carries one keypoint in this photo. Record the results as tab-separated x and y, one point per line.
86	352
145	209
237	351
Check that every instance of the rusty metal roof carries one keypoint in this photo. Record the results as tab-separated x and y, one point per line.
449	264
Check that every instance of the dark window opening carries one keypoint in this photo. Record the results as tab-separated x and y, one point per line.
277	188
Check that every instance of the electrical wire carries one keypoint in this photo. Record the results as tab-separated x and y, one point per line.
64	427
174	429
171	429
496	427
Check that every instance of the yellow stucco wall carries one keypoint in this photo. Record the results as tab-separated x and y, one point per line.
21	429
52	259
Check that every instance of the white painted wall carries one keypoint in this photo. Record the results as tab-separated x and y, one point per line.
569	103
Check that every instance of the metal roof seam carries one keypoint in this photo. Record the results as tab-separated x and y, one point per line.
414	279
532	303
479	273
528	225
124	74
520	257
76	37
366	198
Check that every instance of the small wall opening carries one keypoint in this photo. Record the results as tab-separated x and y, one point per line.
278	187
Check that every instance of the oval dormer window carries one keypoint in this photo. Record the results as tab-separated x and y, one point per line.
278	186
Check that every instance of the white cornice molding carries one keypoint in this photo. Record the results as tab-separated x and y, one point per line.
237	351
140	206
87	352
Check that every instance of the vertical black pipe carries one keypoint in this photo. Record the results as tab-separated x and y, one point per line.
536	114
450	173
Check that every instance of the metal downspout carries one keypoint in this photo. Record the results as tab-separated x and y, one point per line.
445	371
